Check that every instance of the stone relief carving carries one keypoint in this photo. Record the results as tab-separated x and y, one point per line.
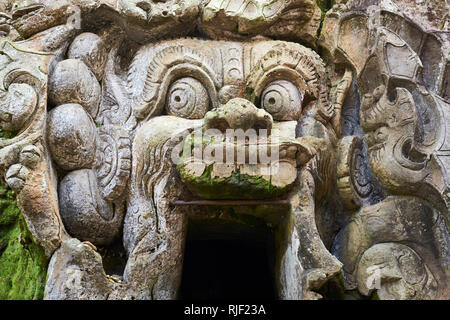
116	118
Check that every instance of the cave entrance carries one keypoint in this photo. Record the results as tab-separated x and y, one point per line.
226	260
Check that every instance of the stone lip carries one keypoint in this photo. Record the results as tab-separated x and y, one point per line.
259	168
218	181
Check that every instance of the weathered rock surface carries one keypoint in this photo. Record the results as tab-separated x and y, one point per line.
243	19
70	128
75	272
89	48
84	212
402	243
73	82
113	134
17	106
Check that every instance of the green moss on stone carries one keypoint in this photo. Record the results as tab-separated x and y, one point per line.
250	94
23	265
325	6
8	209
4	135
237	186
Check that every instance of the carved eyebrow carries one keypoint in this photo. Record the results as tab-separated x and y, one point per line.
298	64
299	61
163	65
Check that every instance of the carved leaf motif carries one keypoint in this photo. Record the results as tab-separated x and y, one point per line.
116	104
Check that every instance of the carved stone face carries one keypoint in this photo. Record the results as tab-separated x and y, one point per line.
399	267
207	88
128	133
256	111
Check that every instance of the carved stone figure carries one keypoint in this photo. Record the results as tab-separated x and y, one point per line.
124	123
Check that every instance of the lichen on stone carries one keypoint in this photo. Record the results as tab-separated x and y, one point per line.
4	135
235	186
23	265
325	6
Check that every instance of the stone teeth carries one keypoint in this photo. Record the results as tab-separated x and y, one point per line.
195	168
243	154
222	170
283	173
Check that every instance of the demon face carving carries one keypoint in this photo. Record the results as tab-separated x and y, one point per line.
119	139
194	93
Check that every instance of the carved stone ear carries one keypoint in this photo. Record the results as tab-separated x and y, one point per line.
346	189
355	181
396	272
338	97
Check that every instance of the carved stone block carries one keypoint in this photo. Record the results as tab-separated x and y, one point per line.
123	123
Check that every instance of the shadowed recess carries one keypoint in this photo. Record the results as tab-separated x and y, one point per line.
228	261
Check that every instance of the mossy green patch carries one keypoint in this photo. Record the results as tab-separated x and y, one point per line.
375	296
4	135
325	6
8	209
23	265
250	94
236	186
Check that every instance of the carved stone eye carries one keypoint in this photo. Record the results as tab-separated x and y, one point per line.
283	100
187	98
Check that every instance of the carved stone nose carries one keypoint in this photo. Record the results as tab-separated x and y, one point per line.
238	114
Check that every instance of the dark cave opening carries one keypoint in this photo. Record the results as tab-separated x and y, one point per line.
226	261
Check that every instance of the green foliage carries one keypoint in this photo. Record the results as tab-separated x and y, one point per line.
23	265
325	5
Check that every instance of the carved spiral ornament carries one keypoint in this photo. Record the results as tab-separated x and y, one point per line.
187	98
131	131
114	161
283	100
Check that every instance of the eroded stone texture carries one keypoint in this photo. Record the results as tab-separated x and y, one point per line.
242	19
75	272
89	48
401	243
69	128
19	104
114	133
73	82
84	212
